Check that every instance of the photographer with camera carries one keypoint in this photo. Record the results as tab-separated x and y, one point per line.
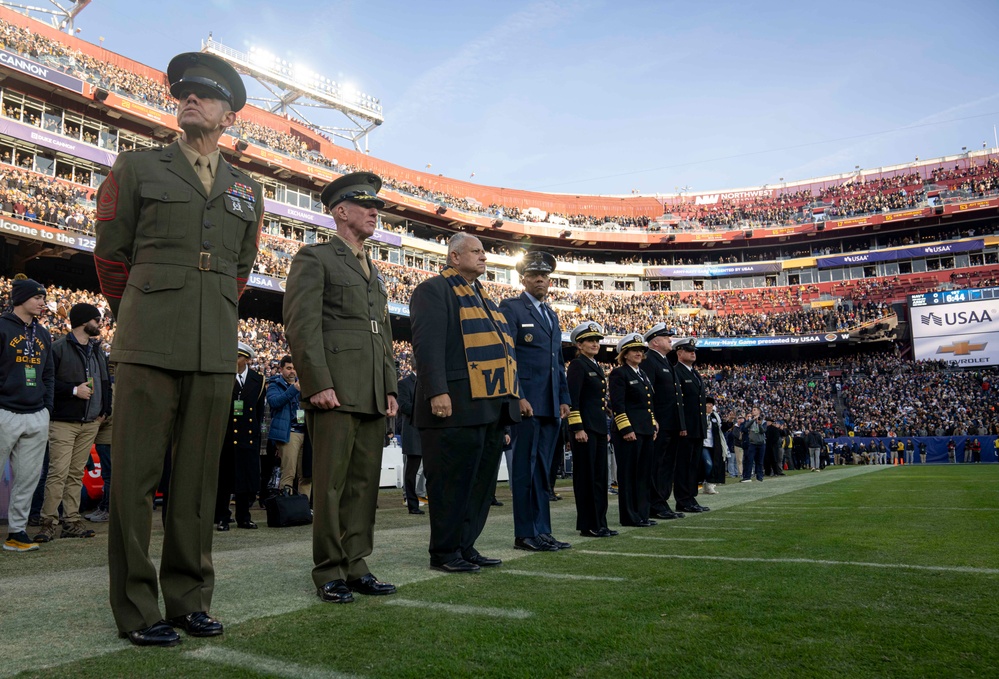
287	428
756	428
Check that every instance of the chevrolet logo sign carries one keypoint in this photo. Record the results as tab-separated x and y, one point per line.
961	348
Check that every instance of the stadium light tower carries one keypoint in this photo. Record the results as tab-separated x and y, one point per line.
296	87
61	17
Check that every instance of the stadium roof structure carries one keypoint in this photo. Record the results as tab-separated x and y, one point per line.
61	17
296	87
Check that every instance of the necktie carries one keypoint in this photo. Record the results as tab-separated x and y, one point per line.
203	167
239	380
363	261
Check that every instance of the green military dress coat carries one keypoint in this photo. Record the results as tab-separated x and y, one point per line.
336	319
172	259
338	328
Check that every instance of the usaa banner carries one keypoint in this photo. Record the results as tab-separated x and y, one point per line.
966	333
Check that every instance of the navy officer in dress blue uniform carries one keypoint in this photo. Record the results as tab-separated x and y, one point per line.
545	393
668	408
635	428
588	432
695	420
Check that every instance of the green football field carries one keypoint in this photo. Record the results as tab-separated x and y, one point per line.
851	572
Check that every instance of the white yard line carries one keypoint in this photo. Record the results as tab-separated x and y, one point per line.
560	576
264	665
645	537
818	562
457	609
692	527
895	507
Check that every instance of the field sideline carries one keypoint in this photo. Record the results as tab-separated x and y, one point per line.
856	571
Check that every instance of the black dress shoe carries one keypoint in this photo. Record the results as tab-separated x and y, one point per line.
595	533
369	584
702	508
247	524
417	511
335	592
533	545
160	634
644	524
222	526
550	539
496	503
692	509
457	565
198	624
611	531
483	561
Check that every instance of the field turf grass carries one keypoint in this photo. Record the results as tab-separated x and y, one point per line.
851	572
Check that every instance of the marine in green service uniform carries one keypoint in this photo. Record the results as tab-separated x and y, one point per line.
336	319
177	233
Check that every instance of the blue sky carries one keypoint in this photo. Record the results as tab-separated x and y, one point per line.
605	97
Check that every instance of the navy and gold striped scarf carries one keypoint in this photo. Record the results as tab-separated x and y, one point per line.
492	370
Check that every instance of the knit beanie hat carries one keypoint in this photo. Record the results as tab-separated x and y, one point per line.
24	289
82	313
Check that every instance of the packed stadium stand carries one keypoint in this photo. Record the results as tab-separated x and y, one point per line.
820	268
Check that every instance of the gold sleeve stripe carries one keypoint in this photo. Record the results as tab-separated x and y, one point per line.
574	417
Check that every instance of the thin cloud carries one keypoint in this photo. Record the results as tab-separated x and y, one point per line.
459	77
841	158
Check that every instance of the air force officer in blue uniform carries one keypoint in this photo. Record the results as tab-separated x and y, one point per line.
543	386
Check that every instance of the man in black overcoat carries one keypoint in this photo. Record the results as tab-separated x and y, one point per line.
239	464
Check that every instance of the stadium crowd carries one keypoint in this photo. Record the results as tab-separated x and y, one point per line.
38	199
97	72
622	313
892	397
850	198
868	296
71	207
865	395
871	395
726	213
972	177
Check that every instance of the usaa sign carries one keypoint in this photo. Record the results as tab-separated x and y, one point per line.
266	282
956	319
